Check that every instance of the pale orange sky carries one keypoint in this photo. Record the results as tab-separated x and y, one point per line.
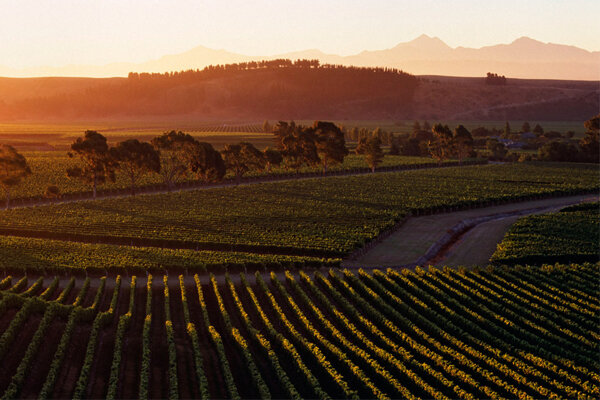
62	32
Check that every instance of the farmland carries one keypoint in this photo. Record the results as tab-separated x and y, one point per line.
571	234
335	334
235	291
49	168
316	216
40	256
59	136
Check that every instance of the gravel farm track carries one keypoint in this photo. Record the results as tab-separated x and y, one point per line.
456	238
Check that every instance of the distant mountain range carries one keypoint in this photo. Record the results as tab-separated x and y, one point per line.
523	58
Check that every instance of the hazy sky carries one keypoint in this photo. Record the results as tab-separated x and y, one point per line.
60	32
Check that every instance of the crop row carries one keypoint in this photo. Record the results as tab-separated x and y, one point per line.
567	236
311	217
496	333
19	254
49	169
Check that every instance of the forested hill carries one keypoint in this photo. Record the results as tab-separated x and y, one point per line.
302	89
266	89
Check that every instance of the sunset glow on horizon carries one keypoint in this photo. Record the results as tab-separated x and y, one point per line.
57	33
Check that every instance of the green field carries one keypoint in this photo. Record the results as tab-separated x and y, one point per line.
49	168
56	136
570	235
495	333
333	215
39	255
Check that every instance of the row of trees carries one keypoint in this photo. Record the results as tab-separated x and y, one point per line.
323	144
176	155
211	71
495	79
448	143
173	155
587	149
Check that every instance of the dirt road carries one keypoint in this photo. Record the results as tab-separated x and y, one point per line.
446	242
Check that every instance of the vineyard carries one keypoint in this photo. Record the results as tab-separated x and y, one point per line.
249	128
313	217
20	255
494	333
49	169
570	235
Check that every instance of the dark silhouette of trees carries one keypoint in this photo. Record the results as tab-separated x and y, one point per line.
13	169
371	149
330	143
135	159
589	144
462	143
173	150
277	87
525	127
412	147
416	128
441	147
98	165
538	130
242	157
322	143
481	131
495	79
558	151
395	146
272	158
497	150
296	144
203	160
507	131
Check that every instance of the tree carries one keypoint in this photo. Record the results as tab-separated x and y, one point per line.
538	130
412	147
590	146
441	147
173	149
330	143
242	157
506	132
98	164
373	152
272	157
416	128
558	151
394	145
135	159
354	134
497	150
13	169
480	131
205	161
462	143
495	79
297	145
525	127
